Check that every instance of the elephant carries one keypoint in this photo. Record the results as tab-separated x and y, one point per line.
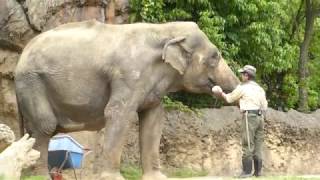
90	75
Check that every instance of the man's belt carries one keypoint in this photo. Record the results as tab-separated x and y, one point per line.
257	112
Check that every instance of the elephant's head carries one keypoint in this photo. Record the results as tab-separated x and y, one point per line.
199	62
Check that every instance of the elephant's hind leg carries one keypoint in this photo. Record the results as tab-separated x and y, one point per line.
40	121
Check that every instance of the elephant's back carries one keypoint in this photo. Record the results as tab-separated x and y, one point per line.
82	39
66	60
67	45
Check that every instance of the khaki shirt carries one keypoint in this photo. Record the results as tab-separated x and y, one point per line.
250	95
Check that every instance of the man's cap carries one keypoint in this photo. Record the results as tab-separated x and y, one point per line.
248	69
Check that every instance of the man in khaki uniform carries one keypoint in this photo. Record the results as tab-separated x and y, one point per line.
253	105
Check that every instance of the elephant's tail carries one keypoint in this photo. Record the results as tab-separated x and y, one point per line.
20	118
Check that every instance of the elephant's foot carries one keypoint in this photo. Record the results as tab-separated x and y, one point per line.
111	176
154	175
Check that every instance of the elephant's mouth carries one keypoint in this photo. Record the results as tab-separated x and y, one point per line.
211	83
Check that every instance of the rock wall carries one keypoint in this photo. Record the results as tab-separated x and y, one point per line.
210	141
20	20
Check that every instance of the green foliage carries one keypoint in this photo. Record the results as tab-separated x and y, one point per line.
131	172
177	14
185	172
313	99
288	178
147	11
213	27
33	178
290	87
264	33
314	66
171	104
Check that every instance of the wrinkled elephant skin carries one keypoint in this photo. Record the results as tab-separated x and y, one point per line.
89	76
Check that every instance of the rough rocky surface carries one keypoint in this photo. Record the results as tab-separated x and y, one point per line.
210	141
20	20
47	14
8	60
15	28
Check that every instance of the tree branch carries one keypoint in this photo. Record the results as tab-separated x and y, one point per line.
297	20
317	12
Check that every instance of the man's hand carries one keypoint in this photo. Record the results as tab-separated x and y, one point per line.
217	90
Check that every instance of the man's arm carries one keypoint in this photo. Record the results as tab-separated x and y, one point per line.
229	98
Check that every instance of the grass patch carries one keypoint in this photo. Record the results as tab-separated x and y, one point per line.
33	178
185	173
133	172
286	178
26	178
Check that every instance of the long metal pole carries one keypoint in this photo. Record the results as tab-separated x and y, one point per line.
247	129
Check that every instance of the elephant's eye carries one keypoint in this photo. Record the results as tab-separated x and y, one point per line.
212	62
214	59
215	55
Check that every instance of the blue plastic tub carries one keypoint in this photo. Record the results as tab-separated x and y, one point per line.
64	150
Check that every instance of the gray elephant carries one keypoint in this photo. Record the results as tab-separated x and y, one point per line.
89	76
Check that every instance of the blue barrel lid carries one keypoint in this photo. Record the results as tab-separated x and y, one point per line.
64	142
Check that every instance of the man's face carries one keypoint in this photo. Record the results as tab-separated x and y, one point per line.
244	77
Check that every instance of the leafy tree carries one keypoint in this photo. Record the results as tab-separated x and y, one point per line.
312	10
314	66
264	33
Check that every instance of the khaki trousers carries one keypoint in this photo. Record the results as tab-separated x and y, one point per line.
256	136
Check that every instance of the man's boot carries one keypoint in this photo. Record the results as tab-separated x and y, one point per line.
246	168
257	166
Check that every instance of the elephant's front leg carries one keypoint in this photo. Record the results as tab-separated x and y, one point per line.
120	113
151	122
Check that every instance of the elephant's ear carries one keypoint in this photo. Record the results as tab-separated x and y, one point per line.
174	53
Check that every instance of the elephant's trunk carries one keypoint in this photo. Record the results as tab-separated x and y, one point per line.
225	77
